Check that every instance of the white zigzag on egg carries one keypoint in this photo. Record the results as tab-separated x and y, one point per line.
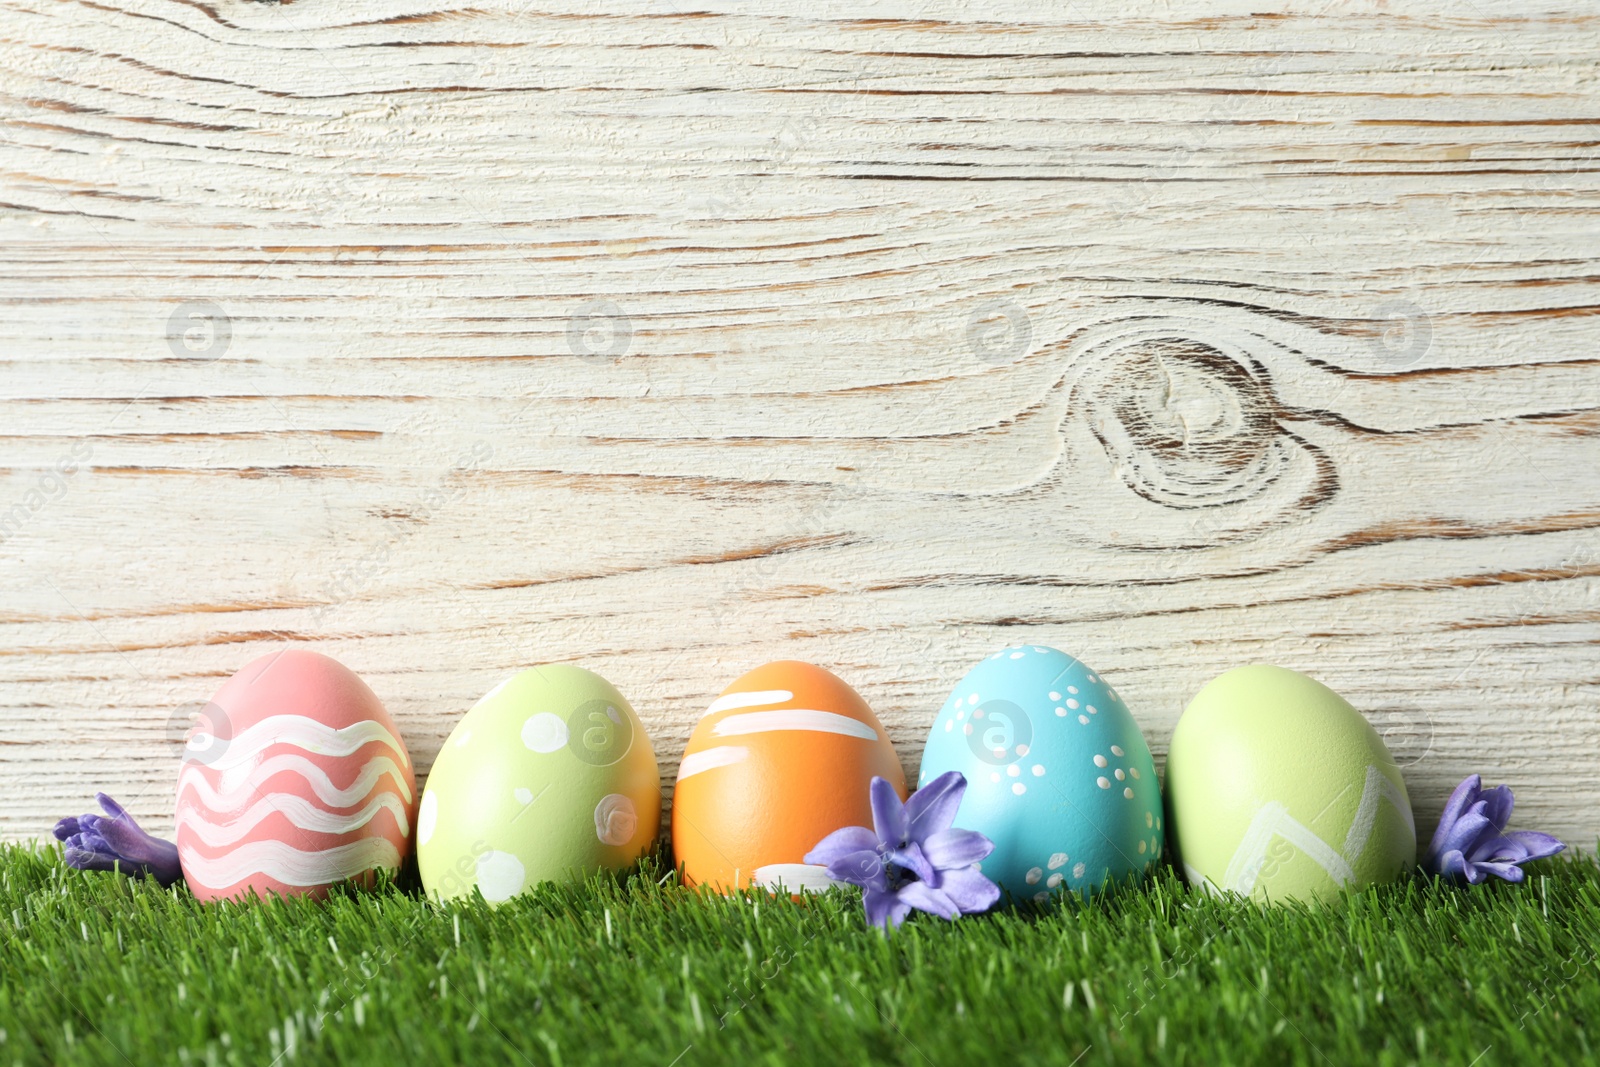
1273	820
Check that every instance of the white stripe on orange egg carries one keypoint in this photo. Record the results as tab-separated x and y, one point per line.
748	700
809	719
711	758
795	877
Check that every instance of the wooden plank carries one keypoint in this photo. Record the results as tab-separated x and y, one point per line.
669	341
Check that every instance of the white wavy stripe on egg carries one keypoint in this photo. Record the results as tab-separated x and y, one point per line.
287	864
301	813
298	731
238	789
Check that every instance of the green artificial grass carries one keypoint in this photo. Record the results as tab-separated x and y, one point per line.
100	969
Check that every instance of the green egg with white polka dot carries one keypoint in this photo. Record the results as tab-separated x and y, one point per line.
550	777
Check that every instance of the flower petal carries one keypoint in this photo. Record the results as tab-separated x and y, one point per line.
865	869
91	841
842	843
885	909
1497	805
1496	848
66	827
888	813
1509	871
138	849
912	859
924	897
969	890
88	859
953	848
1464	795
112	808
1450	865
1466	833
1538	845
933	807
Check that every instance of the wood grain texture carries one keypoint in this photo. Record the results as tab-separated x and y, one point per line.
670	340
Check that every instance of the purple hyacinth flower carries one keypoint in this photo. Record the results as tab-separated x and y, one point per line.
114	841
913	857
1472	843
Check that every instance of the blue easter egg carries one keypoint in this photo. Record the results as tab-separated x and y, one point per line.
1058	774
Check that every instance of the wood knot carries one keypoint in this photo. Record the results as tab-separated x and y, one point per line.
1191	424
1184	424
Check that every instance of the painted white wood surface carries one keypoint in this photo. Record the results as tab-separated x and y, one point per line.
1178	337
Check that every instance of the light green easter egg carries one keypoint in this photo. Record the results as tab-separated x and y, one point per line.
1278	789
549	777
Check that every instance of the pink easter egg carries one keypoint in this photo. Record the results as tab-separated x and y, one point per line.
294	779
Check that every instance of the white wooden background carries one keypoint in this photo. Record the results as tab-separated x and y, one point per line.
670	338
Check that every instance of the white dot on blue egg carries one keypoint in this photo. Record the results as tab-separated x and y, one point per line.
1055	696
1038	770
950	724
1018	788
1072	689
1061	712
1084	719
1073	704
973	699
1116	750
1014	770
1018	655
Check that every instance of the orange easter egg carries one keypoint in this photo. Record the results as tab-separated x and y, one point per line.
780	760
